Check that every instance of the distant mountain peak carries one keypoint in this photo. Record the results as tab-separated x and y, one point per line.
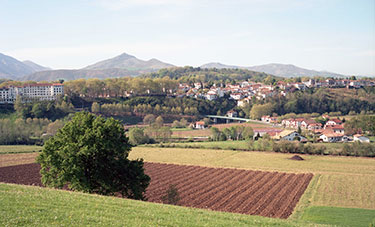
125	56
129	62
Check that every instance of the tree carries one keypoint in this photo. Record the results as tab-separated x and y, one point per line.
159	122
259	110
248	133
89	154
149	119
137	136
95	107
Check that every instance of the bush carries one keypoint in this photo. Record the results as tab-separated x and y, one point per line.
89	154
171	196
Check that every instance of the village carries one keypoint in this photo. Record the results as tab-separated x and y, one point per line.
244	91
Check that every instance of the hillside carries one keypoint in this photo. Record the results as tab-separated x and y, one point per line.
35	66
282	70
189	73
11	68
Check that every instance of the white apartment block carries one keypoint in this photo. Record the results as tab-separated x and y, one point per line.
31	91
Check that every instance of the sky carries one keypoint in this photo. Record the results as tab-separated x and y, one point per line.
331	35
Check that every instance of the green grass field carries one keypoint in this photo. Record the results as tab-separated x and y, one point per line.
34	206
11	149
339	216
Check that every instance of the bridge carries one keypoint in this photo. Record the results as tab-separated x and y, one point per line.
215	119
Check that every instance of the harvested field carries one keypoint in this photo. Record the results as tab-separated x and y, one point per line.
269	194
17	159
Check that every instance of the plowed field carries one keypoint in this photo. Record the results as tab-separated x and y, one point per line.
269	194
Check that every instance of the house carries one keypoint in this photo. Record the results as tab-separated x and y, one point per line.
245	84
198	85
260	132
289	135
333	121
331	137
306	122
339	129
360	138
236	96
199	125
314	126
269	119
211	95
232	113
242	102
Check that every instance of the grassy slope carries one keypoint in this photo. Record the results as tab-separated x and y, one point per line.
34	206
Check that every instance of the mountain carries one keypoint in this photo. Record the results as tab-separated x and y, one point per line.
74	74
129	62
291	71
282	70
119	66
35	66
11	68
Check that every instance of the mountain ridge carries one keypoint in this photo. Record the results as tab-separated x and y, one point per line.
277	69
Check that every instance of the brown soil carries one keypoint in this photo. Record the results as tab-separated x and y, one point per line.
297	158
269	194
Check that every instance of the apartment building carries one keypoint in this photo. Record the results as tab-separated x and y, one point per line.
31	91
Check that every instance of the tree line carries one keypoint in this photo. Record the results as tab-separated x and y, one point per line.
165	105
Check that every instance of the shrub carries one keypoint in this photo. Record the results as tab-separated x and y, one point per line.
171	195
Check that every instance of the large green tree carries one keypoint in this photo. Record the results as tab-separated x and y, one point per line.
90	154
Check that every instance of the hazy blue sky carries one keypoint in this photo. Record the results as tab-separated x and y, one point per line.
333	35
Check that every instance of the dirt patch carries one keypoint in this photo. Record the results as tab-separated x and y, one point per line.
297	158
269	194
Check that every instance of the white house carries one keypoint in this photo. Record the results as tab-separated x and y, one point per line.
36	91
289	135
360	138
211	95
199	125
331	137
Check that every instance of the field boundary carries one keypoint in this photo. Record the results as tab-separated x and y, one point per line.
306	199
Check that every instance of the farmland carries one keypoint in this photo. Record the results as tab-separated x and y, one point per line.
230	190
17	159
11	149
336	175
339	182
